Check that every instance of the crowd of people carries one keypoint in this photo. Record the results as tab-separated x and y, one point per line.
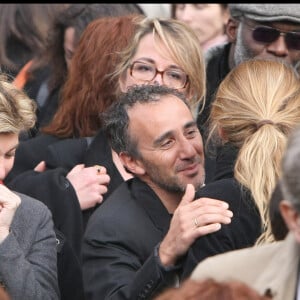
150	151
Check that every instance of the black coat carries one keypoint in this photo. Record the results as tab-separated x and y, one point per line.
119	248
50	187
53	189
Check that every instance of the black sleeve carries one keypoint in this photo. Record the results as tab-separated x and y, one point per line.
125	277
54	190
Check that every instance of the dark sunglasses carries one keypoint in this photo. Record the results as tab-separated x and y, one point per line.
267	35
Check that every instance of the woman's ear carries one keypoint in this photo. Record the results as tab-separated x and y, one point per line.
134	165
231	29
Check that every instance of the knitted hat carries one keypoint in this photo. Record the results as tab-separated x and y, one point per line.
267	12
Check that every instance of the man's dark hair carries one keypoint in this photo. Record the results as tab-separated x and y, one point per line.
116	120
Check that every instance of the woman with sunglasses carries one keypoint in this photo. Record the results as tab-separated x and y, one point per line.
266	30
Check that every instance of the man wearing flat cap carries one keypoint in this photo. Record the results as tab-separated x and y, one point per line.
266	31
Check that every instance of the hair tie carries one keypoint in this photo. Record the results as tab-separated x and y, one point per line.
263	122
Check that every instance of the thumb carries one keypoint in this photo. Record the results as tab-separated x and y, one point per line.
41	167
189	195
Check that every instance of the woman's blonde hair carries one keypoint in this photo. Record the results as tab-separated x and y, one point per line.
183	46
17	110
256	107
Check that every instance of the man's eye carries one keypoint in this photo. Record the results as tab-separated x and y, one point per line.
167	144
192	133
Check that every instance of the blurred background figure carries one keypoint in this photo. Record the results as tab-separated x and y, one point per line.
23	32
155	10
207	19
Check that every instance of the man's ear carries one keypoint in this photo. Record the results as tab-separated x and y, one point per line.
134	165
291	217
231	29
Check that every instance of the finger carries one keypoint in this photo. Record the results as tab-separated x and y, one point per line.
204	230
100	200
41	167
188	196
206	219
104	179
208	209
103	189
203	201
98	168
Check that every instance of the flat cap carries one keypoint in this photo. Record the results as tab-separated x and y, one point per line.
267	12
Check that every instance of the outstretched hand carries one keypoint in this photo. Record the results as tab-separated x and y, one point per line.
191	220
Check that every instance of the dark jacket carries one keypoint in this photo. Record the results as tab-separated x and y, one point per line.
53	189
120	259
50	187
133	221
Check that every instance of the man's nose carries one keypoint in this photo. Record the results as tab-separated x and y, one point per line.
278	47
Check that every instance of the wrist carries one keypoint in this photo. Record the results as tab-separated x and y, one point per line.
166	256
164	267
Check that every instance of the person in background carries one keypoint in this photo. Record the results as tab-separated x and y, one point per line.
210	289
158	54
137	238
256	108
207	19
259	30
28	268
155	10
54	61
271	269
23	32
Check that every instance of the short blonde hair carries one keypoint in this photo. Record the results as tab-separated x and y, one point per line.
256	106
183	46
17	110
